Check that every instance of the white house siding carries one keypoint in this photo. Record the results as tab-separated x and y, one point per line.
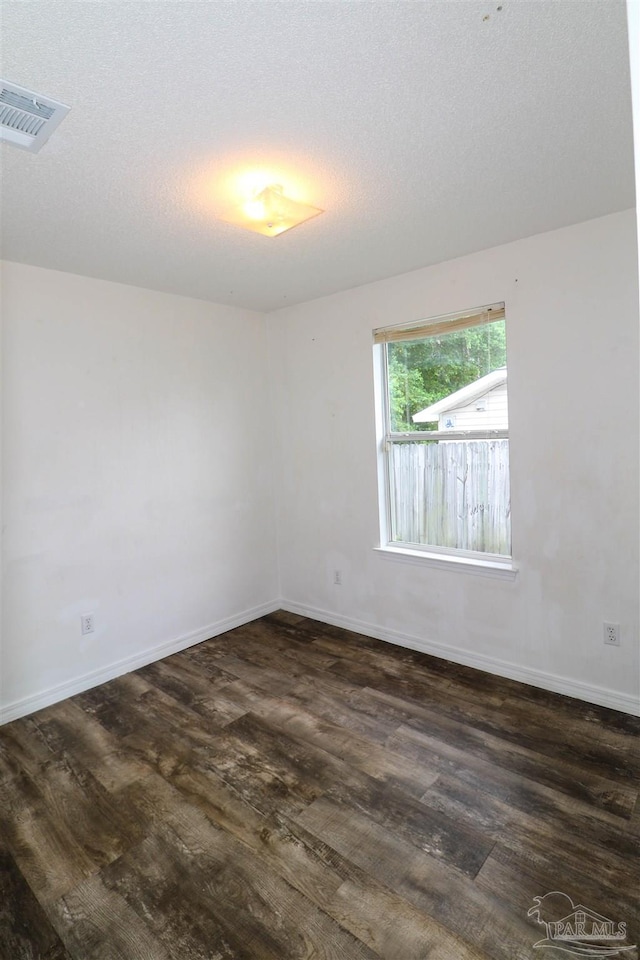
467	417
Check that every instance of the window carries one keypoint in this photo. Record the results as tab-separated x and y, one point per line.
444	453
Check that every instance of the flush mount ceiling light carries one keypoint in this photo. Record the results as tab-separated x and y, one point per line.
269	212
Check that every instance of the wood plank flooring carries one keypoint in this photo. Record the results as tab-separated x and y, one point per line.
291	790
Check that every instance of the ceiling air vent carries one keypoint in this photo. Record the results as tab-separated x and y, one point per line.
27	120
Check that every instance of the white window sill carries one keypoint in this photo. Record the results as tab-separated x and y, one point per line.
497	569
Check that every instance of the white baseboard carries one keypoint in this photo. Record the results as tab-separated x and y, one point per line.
27	705
502	668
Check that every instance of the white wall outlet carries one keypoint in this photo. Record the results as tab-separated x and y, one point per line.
86	624
612	634
337	578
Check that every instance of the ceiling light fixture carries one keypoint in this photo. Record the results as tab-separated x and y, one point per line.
270	212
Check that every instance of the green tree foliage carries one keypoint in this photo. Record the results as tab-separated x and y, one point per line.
424	371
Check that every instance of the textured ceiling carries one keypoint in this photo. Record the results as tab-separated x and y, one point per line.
425	130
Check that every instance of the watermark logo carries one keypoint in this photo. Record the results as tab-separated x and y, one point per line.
576	929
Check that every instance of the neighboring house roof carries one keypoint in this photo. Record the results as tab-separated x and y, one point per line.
463	396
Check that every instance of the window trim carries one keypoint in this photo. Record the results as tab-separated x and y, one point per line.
481	563
497	568
421	436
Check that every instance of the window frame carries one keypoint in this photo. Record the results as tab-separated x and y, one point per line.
472	561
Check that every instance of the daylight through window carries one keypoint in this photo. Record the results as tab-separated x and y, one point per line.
445	450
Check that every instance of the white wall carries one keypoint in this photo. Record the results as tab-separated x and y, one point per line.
138	471
572	327
633	29
138	478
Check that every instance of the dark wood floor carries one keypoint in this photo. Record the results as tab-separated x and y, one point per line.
291	790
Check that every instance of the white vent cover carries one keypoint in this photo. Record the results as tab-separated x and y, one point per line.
27	119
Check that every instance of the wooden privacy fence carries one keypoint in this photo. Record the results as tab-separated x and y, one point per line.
452	494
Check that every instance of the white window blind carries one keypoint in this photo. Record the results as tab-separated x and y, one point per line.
439	325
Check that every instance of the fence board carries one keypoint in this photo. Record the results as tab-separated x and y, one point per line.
452	494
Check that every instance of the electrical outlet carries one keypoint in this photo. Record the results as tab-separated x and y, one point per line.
612	634
86	624
337	578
